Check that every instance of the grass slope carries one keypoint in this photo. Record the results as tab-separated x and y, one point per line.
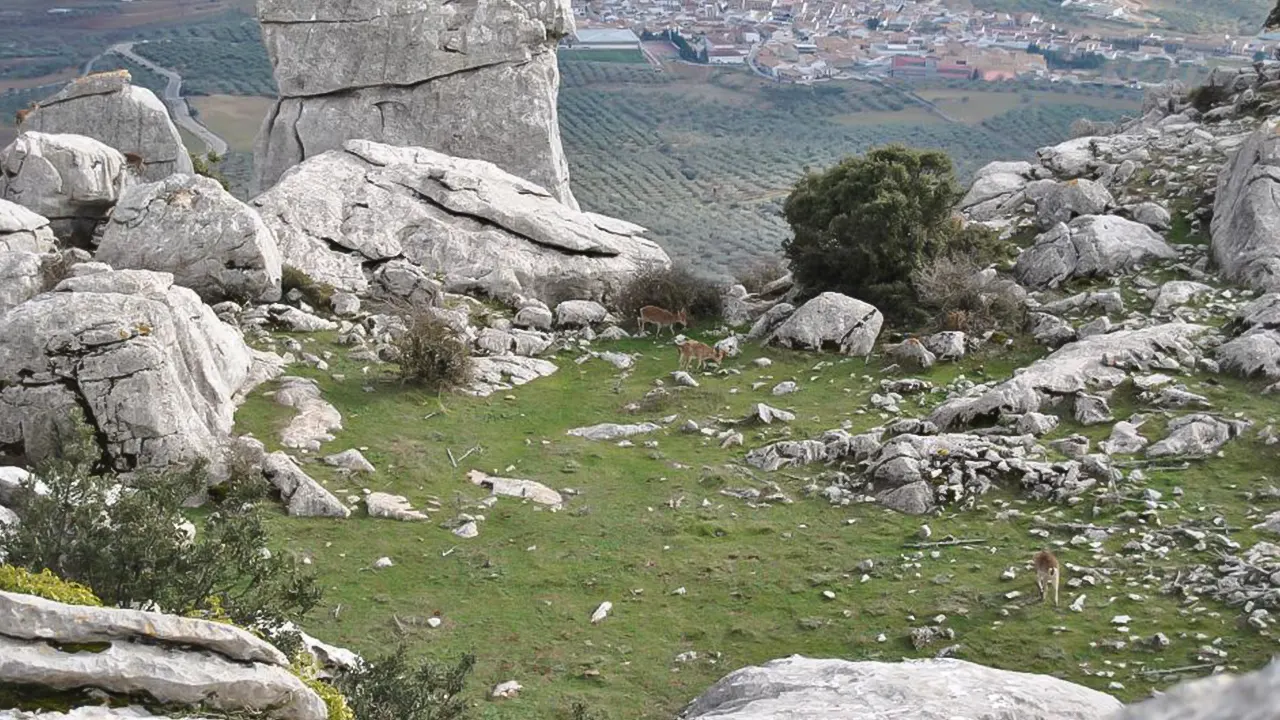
520	594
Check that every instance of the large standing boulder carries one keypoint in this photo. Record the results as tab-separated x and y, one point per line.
801	688
189	226
831	320
72	180
110	109
475	80
1256	351
1065	201
997	190
24	231
1218	697
345	212
1089	246
152	367
1246	212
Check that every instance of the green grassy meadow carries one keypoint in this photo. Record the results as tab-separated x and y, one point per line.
647	521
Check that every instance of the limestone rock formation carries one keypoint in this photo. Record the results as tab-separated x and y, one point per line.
189	226
1246	212
154	369
70	179
173	661
303	496
21	278
1101	361
831	319
1256	351
1088	246
346	212
24	231
1218	697
110	109
800	688
476	80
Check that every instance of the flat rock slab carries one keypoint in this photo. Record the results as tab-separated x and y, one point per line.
316	419
612	431
32	618
511	487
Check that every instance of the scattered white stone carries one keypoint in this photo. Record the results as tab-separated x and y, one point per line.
467	530
601	612
382	563
506	690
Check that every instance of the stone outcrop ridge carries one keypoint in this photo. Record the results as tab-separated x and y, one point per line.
1246	212
110	109
171	661
343	214
189	226
153	369
800	688
23	231
72	180
474	79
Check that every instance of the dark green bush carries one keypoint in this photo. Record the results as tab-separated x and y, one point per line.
864	226
675	289
432	354
394	688
128	543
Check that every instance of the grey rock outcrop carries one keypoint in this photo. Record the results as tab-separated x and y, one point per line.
303	496
1089	246
21	278
1196	436
475	80
110	109
997	189
316	418
1246	212
800	688
1256	350
22	230
72	180
346	212
1218	697
830	320
189	226
156	371
612	431
1101	361
1065	201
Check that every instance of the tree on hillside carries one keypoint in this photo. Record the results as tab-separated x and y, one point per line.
862	227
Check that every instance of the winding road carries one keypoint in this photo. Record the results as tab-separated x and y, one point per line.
173	99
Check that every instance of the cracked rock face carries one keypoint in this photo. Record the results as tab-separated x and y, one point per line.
189	226
1089	246
801	688
24	231
110	109
153	369
1246	211
348	212
20	278
72	180
474	78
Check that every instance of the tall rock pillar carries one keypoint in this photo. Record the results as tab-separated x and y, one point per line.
470	78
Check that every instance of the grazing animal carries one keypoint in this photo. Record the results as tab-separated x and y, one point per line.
654	315
1047	575
692	350
956	320
21	116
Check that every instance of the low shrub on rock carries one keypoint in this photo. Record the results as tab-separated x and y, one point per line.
46	585
432	354
317	294
674	289
131	543
393	687
961	296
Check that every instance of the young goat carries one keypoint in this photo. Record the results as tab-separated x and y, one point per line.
692	350
1047	574
654	315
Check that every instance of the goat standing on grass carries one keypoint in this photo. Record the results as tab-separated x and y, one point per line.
654	315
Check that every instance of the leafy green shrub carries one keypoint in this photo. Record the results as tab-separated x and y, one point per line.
305	669
676	288
761	272
207	165
432	354
46	585
133	546
862	227
1206	97
317	294
394	688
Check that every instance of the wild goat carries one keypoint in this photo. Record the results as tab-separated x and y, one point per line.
1047	573
21	116
654	315
956	320
692	350
134	161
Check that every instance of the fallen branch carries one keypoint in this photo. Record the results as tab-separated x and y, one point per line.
946	543
451	460
465	454
1185	668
